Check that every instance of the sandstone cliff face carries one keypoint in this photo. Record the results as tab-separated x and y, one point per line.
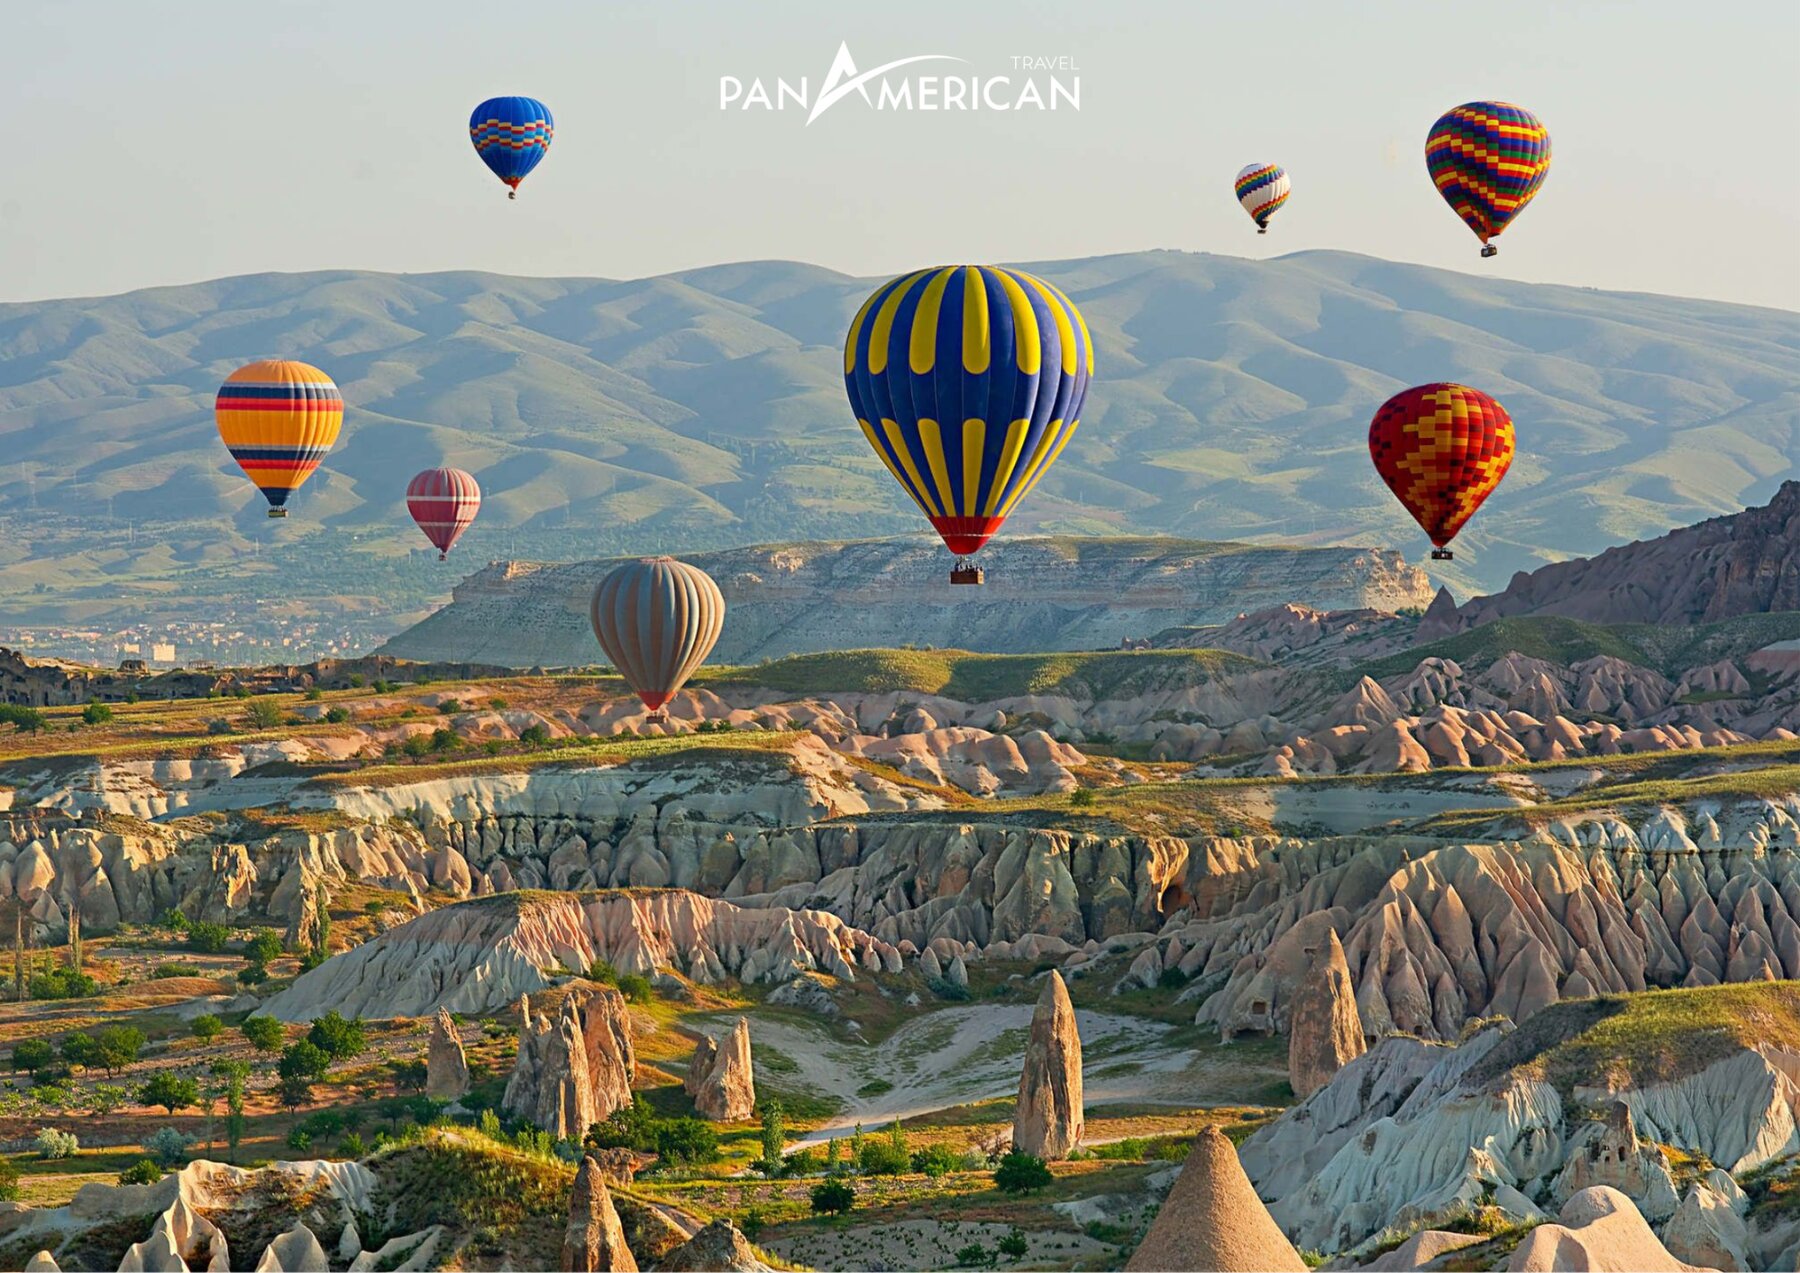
595	1240
722	1077
1048	1119
1746	563
1324	1031
1040	595
482	955
446	1065
574	1069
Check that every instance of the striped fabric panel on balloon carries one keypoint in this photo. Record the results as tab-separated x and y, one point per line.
494	132
1488	160
278	419
1261	189
1442	449
443	502
967	382
657	619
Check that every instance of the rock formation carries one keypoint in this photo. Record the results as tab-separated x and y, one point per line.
727	1092
835	596
296	1251
1324	1030
700	1066
718	1248
1599	1230
1212	1219
1047	1121
446	1065
42	1262
594	1241
574	1070
1740	564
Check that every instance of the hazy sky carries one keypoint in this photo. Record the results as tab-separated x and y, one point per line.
191	139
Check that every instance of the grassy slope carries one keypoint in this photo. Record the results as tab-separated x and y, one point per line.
970	677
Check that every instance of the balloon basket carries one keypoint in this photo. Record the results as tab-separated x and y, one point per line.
443	556
278	512
512	194
967	575
1442	554
1262	229
657	718
1488	249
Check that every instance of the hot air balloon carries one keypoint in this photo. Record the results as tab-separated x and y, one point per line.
1262	189
444	503
1488	160
278	419
657	620
512	135
1442	449
968	381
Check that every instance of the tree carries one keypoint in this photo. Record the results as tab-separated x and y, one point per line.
207	937
169	1090
1020	1172
774	1134
51	1143
142	1172
337	715
96	714
235	1122
265	713
409	1076
119	1046
207	1027
9	1180
28	720
833	1197
1014	1245
304	1059
294	1090
338	1038
106	1099
32	1055
79	1050
264	1033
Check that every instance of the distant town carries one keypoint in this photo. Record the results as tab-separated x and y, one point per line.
233	642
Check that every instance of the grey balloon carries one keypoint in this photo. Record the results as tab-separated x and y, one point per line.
657	619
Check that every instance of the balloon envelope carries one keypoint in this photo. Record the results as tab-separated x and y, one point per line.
512	136
657	619
968	380
278	419
1488	160
1261	189
1442	449
443	502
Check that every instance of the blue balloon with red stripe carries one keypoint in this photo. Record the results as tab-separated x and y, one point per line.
512	136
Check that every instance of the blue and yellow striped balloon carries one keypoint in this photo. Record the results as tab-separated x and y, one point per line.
968	381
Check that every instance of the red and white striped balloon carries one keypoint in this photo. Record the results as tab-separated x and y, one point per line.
443	502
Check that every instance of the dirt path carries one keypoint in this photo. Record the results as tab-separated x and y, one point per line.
957	1055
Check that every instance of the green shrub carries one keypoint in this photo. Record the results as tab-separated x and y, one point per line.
304	1059
80	1048
535	736
174	968
299	1139
169	1147
636	987
1014	1245
119	1046
881	1158
1020	1172
263	948
974	1256
96	714
1081	798
32	1055
27	720
207	937
265	713
206	1027
9	1180
936	1160
337	715
51	1143
352	1145
63	983
833	1197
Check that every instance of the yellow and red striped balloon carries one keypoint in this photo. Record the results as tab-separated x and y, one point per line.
1442	449
278	419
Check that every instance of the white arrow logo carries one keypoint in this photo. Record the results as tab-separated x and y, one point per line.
843	78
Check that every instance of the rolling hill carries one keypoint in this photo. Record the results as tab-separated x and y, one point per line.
705	410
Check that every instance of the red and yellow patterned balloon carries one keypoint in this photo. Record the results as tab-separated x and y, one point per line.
1442	449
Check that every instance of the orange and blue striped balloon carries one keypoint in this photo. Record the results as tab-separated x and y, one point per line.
1488	160
968	380
278	419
